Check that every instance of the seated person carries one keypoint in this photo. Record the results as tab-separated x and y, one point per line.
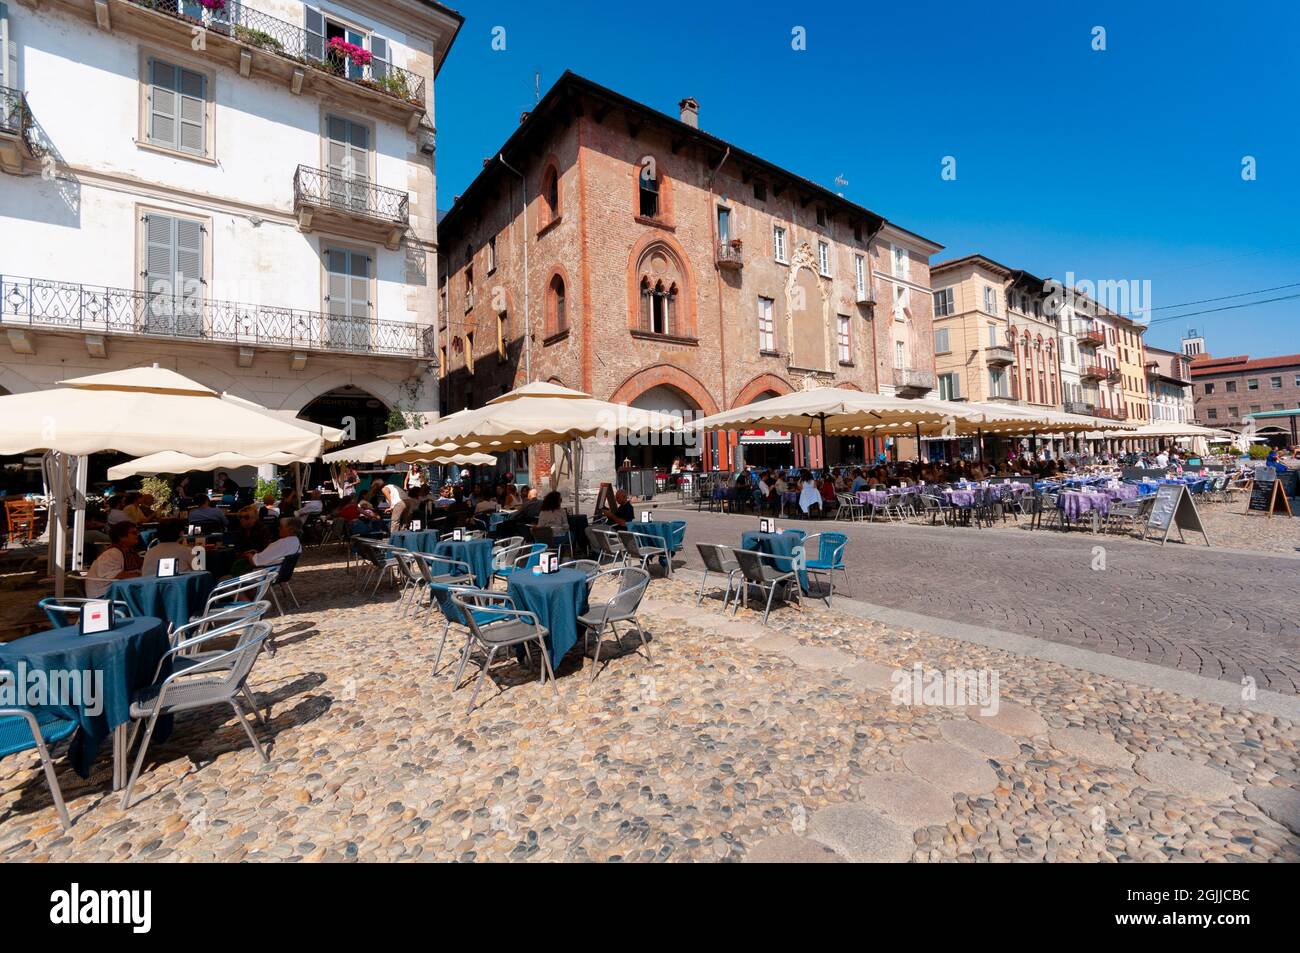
116	511
268	510
251	534
139	508
486	505
224	485
554	516
287	545
167	547
859	481
204	514
531	508
121	560
621	513
311	506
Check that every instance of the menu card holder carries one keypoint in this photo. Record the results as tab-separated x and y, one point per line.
647	516
766	524
96	617
416	525
458	534
166	567
549	562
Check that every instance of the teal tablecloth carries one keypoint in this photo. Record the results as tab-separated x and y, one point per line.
557	599
127	657
783	543
672	533
173	598
478	554
423	541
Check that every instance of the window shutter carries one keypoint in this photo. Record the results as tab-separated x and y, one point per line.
164	106
314	24
956	386
8	51
159	270
193	106
189	255
379	57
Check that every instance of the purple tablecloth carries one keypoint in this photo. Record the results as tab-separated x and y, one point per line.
873	497
960	497
1074	504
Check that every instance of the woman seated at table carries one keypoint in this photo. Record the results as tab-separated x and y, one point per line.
121	560
361	518
116	511
554	516
827	490
139	508
251	534
486	505
268	510
168	546
810	497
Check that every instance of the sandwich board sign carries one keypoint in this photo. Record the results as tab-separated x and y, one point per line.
1174	508
1267	494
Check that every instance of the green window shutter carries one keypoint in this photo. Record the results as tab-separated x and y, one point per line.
164	104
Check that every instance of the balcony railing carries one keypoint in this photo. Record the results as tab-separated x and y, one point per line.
1092	339
95	309
1078	407
352	195
15	117
999	354
730	255
272	35
1110	414
911	378
1096	372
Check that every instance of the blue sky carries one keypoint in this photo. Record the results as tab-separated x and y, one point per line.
1123	164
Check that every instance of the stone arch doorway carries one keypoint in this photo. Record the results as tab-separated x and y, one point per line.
337	407
656	451
765	449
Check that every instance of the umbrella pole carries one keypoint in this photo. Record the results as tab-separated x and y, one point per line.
918	443
79	513
979	447
57	528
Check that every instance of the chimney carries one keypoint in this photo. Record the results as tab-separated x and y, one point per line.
690	112
523	116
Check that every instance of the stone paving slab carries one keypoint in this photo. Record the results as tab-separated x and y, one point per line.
1186	776
1279	803
949	768
791	849
906	800
861	834
872	676
812	656
1091	747
979	739
1010	719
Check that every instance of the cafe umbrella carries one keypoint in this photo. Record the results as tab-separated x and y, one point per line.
139	411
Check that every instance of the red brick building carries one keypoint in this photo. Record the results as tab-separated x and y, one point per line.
660	266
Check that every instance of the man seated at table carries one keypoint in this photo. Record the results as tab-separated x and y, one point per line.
531	508
167	547
121	560
859	482
621	513
205	514
311	506
286	545
251	534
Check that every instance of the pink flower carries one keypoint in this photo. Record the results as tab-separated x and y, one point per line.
359	55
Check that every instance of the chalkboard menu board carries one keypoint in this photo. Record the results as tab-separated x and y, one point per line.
1173	508
1290	482
1269	495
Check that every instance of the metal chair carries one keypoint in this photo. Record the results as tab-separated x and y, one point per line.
829	558
518	559
67	610
755	572
547	536
588	566
283	573
382	562
182	691
238	590
850	508
645	547
621	607
606	545
718	559
21	729
434	571
510	627
224	622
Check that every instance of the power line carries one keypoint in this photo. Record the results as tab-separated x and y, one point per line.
1239	294
1228	307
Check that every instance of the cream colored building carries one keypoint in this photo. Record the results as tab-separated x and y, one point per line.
244	193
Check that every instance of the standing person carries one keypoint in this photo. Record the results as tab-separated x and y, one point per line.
414	478
121	560
397	504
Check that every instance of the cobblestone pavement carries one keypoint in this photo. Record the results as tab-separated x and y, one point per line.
1220	613
733	742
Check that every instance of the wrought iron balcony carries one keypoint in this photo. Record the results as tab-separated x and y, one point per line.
910	378
730	255
95	309
15	130
354	206
1078	407
1092	339
1110	414
1095	372
290	42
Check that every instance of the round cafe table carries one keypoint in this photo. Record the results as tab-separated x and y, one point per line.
781	544
1076	503
476	552
117	663
175	599
670	533
557	599
420	541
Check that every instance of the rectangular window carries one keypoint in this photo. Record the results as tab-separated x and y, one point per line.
845	339
900	303
997	383
860	275
993	336
1231	386
760	191
990	300
503	334
8	54
178	108
492	254
943	303
347	296
824	258
900	354
649	193
1275	382
320	30
900	262
1252	383
821	217
1232	412
1213	413
1209	388
766	326
949	386
347	160
778	243
941	341
724	224
173	257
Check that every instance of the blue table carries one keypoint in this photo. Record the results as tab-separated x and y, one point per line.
782	544
422	541
478	554
172	598
124	658
671	533
557	599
